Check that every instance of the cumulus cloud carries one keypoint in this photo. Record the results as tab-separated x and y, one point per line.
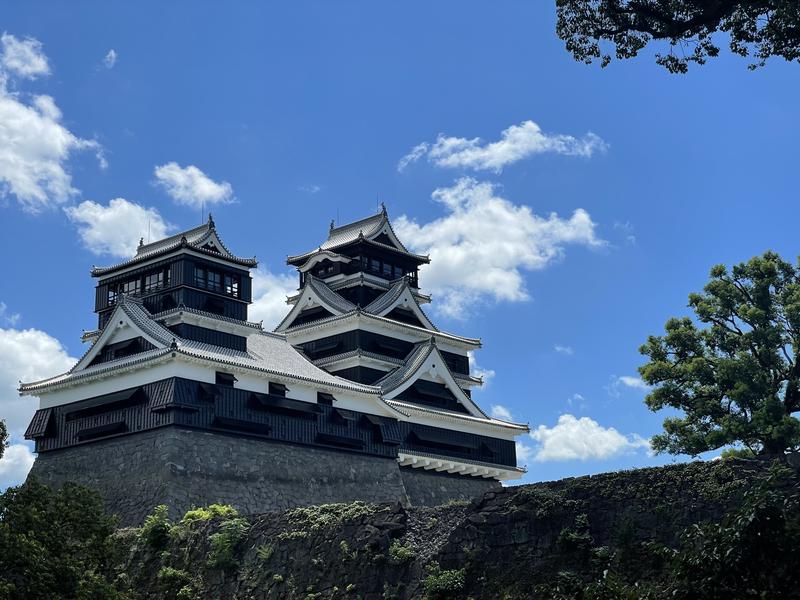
564	349
516	143
309	188
524	453
484	243
191	187
110	59
23	58
15	464
478	371
501	412
117	228
28	355
34	144
269	297
582	439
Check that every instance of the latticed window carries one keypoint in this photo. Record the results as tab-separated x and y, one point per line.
133	286
214	281
232	286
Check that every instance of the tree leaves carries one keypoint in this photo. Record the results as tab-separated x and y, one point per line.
756	28
734	370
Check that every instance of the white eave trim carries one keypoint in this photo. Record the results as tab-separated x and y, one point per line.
444	464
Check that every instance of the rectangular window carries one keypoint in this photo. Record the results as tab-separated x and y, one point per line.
277	389
232	285
225	379
131	287
398	272
154	281
387	270
112	294
374	265
199	277
214	281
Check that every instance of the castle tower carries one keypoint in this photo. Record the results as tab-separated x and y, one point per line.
180	400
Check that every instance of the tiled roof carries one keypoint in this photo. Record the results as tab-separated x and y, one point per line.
362	279
193	238
329	299
325	321
266	352
350	232
203	313
394	379
411	409
385	300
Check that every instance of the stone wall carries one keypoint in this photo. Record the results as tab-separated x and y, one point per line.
184	468
429	488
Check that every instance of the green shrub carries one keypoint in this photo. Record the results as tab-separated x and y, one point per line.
172	581
277	578
226	542
443	584
265	552
400	553
327	515
155	530
223	511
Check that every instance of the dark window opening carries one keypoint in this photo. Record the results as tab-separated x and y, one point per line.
325	399
214	305
232	286
225	379
108	403
277	389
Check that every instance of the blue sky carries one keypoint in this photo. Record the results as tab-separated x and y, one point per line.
305	109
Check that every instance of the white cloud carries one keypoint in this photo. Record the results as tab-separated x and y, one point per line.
269	297
478	371
191	187
564	349
8	318
501	412
34	145
28	355
23	58
110	59
516	143
577	399
582	439
633	382
627	230
524	453
15	464
628	381
117	228
309	189
484	242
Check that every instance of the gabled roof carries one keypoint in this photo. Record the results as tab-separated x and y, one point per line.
365	229
425	358
203	239
358	314
315	291
399	295
362	278
266	353
321	255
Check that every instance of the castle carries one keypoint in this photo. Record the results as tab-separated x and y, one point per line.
356	395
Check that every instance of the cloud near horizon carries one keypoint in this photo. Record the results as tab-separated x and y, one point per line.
582	438
484	243
516	143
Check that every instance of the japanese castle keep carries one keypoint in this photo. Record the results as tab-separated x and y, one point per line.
356	395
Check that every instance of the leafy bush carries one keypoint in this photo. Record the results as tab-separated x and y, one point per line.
328	515
400	553
155	530
225	543
206	513
265	552
171	582
443	585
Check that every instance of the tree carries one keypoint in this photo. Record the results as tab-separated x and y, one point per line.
54	544
3	437
736	377
757	28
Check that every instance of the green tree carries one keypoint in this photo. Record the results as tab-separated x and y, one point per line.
736	376
3	437
53	544
756	28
